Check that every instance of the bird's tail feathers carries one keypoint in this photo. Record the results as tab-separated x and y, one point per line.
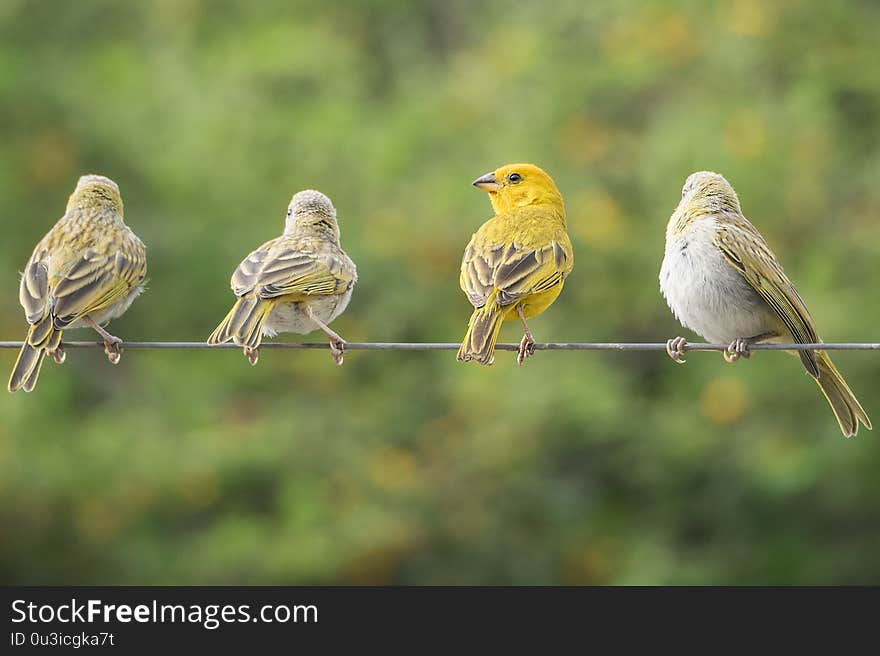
244	323
482	333
42	337
844	404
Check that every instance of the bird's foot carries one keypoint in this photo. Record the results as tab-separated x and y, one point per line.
113	349
526	349
252	354
59	355
739	348
337	350
676	348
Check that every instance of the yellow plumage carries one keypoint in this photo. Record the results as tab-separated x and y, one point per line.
515	265
298	282
722	280
86	271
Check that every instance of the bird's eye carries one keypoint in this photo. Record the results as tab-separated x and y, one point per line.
289	212
514	178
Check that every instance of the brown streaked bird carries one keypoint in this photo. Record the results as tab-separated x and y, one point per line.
298	282
721	279
87	270
515	265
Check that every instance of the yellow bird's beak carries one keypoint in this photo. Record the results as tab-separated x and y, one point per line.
487	182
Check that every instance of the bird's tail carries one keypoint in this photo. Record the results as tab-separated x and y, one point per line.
844	404
482	333
43	336
244	323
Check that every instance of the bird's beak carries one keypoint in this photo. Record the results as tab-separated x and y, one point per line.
487	182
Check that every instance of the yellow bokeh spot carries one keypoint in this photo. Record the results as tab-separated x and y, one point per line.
392	468
659	33
674	36
524	41
584	139
199	489
378	564
133	494
589	564
745	135
596	218
804	190
724	400
51	158
747	17
96	521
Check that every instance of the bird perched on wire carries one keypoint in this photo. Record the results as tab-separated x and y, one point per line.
86	271
722	280
298	282
515	265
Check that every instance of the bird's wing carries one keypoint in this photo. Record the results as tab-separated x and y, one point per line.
748	253
513	270
34	291
276	270
247	275
96	280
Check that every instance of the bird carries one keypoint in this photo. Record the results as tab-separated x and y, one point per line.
298	282
721	280
515	265
87	270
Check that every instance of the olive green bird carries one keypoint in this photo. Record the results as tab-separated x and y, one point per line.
516	263
86	271
721	279
298	282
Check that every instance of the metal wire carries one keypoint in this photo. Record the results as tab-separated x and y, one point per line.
453	346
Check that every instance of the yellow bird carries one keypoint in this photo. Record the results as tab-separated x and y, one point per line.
516	263
297	283
87	270
721	279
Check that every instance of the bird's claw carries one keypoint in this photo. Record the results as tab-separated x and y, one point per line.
252	354
739	348
337	350
526	349
676	348
113	349
59	355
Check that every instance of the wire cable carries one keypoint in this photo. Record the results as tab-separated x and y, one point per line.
453	346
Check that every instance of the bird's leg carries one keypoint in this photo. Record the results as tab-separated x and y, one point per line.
527	345
58	355
739	348
111	344
675	349
337	344
252	354
56	349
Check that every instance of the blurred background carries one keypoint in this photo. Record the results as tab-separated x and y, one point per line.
182	467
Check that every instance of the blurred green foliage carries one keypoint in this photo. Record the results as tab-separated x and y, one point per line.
599	468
